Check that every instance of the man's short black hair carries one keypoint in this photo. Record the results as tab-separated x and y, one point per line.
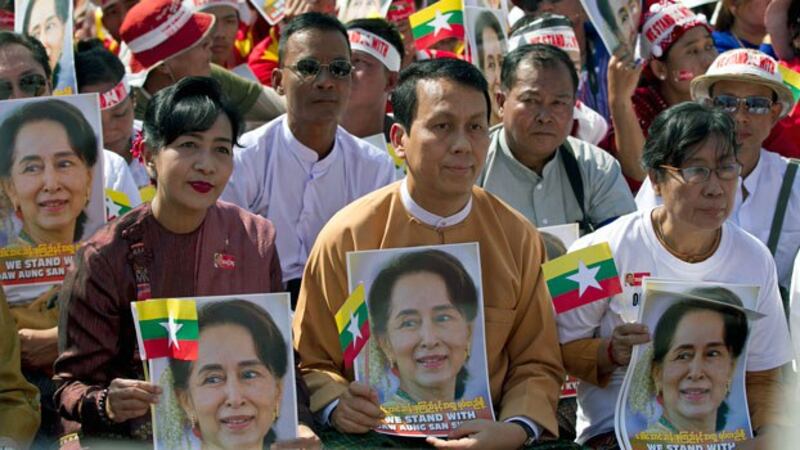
404	97
540	55
381	28
32	44
309	21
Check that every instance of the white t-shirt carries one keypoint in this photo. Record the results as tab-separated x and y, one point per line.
117	177
592	127
740	259
755	213
277	177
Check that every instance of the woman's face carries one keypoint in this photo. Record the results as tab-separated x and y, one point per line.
427	337
231	394
696	372
751	12
49	182
628	13
45	25
703	206
193	169
117	122
689	57
492	62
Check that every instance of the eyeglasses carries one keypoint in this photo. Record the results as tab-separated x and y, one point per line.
309	68
33	85
699	174
754	104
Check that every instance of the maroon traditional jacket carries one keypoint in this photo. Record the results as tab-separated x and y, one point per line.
97	338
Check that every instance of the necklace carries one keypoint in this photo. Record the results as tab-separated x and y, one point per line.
685	256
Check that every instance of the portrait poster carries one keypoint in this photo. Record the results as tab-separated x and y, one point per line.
240	391
51	196
686	387
617	22
426	351
50	21
363	9
271	10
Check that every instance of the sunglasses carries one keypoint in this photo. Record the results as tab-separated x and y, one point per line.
700	174
753	104
32	85
309	68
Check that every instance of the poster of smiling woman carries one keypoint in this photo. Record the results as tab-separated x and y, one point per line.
617	22
685	388
51	190
426	352
50	22
226	368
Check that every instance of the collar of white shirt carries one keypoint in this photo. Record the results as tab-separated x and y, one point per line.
429	218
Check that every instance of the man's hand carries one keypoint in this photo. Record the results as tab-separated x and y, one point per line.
306	440
39	348
624	338
129	399
358	410
482	433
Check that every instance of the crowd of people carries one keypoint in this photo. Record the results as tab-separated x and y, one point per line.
254	157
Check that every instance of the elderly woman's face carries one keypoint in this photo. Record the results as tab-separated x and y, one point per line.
49	181
696	372
492	62
231	394
45	25
705	205
427	337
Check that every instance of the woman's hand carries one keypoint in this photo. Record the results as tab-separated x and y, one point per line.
620	345
306	439
39	348
482	433
623	77
358	410
129	399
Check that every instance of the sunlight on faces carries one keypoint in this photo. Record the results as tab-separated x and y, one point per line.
117	121
427	337
448	141
49	181
692	54
491	63
751	129
45	25
703	206
192	62
370	82
16	62
537	111
193	169
696	371
231	393
323	99
224	33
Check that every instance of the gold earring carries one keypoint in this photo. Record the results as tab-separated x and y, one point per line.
277	413
467	352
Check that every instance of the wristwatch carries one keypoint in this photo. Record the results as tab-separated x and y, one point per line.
528	430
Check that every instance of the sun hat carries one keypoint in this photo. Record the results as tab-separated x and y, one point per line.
745	65
664	23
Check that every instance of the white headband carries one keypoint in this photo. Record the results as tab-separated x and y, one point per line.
372	44
115	96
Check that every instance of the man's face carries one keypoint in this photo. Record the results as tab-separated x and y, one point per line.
751	129
537	110
371	84
114	14
319	99
447	144
194	62
224	34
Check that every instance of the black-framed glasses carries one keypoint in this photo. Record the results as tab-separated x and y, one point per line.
33	85
754	104
700	174
309	68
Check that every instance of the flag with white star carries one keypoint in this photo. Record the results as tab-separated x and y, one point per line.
352	321
166	328
441	20
582	277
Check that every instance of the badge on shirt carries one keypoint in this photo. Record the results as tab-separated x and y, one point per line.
224	261
635	278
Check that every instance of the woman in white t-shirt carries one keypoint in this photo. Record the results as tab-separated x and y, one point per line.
690	155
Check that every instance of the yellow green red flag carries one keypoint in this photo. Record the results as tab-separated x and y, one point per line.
582	277
442	20
166	328
791	79
352	321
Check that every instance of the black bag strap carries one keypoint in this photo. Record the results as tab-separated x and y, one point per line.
780	206
576	182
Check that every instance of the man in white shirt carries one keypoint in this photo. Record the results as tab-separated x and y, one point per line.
747	84
301	168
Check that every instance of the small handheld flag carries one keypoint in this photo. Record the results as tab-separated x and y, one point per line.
166	328
352	322
117	204
791	79
582	277
442	20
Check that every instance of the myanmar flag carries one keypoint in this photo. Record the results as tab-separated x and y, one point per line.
166	328
352	321
117	204
582	277
442	20
791	79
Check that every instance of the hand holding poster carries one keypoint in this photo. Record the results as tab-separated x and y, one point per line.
687	386
50	22
243	349
426	354
617	22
